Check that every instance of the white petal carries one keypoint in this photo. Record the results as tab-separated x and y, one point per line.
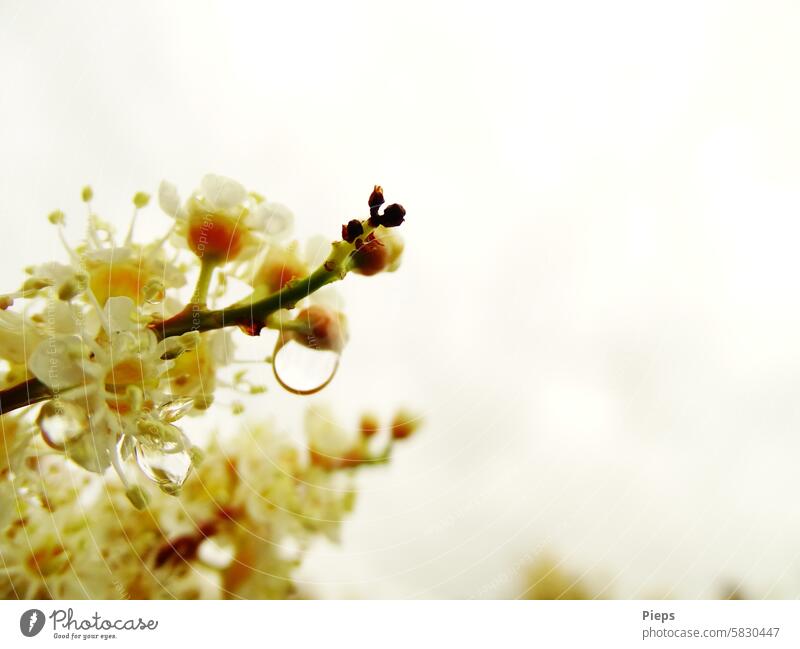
222	192
272	219
17	337
54	272
117	254
121	313
169	200
65	318
59	362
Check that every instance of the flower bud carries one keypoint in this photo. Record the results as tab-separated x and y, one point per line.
87	194
174	346
377	253
322	329
141	199
281	266
404	425
352	230
370	257
376	197
393	216
215	237
368	426
73	287
36	284
56	217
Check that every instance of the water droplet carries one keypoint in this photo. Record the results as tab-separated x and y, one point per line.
156	434
61	422
126	447
302	370
168	470
153	291
175	409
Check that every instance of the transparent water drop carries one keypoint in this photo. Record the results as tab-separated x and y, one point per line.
156	434
175	409
61	423
302	370
126	447
154	291
168	470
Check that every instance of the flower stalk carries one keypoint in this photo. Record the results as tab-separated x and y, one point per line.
23	394
250	315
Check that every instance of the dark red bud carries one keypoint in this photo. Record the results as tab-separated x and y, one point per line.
352	230
392	216
370	258
376	197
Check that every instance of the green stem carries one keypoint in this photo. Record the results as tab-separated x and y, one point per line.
194	317
250	316
200	294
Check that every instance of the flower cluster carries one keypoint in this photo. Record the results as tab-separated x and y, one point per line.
241	526
119	352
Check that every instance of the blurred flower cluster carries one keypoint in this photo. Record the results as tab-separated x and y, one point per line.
104	354
240	527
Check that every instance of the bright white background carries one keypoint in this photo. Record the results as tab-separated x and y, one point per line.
597	312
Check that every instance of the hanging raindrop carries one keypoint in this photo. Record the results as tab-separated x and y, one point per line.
301	370
175	409
168	470
153	291
61	423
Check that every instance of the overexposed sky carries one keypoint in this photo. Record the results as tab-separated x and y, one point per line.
597	312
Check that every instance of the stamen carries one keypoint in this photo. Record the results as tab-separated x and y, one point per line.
140	200
129	236
72	254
